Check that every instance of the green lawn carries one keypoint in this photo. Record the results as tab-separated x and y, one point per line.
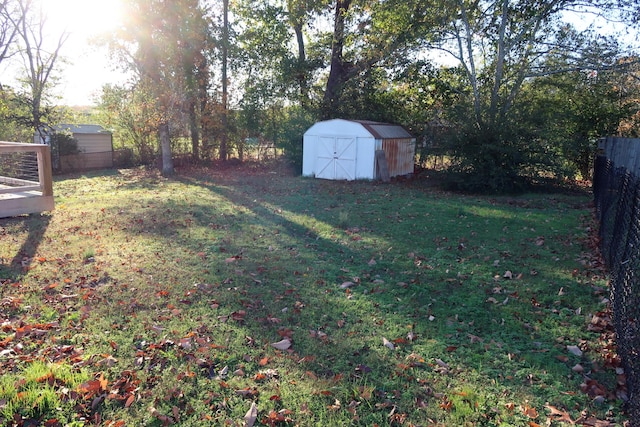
253	296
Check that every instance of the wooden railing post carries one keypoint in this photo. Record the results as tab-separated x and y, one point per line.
44	170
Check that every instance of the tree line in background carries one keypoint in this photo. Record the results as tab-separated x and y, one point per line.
521	93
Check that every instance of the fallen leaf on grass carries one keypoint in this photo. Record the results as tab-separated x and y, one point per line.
574	349
592	422
108	361
251	416
166	420
559	415
317	334
250	393
273	418
273	320
388	344
130	400
529	411
239	315
442	364
282	344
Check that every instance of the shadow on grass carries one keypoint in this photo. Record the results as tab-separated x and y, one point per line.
33	228
280	249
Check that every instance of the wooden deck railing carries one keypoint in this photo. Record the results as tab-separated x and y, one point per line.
28	188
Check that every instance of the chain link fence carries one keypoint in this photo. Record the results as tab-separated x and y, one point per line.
617	202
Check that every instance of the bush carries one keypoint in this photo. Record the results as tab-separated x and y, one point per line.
295	124
487	160
64	144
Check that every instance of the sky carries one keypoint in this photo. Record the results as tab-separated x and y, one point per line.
87	67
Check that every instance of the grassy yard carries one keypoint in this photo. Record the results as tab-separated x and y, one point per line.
253	297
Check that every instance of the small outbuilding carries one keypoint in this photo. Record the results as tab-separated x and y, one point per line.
95	146
357	149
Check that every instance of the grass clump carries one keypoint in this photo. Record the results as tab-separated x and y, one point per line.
322	303
37	392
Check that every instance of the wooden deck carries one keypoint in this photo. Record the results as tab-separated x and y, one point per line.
25	196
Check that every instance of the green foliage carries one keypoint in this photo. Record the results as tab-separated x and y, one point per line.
132	117
488	160
10	128
293	126
63	144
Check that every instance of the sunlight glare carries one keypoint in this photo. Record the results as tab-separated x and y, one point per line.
86	64
83	18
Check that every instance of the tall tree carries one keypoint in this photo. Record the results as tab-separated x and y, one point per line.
10	21
276	65
371	34
154	44
501	44
40	59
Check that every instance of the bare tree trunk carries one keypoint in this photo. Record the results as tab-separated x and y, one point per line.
165	149
500	58
302	64
338	69
194	130
465	47
225	53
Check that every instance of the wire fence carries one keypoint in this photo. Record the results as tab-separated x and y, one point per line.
617	202
16	167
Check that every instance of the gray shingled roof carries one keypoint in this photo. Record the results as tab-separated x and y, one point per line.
384	130
81	128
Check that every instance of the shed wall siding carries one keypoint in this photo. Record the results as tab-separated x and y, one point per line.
400	155
94	143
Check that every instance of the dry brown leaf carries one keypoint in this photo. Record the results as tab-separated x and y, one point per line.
559	415
529	411
251	415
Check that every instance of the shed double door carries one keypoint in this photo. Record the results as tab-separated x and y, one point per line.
336	158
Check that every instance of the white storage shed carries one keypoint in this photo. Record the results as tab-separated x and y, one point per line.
356	149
